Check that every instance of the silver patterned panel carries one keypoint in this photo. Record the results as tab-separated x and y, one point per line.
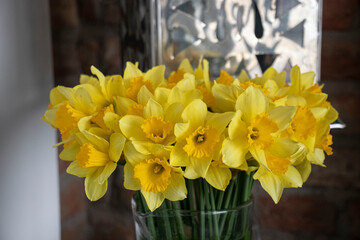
238	34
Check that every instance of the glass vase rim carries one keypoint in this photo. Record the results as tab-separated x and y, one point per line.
159	211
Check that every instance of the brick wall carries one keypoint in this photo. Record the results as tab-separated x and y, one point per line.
92	32
328	206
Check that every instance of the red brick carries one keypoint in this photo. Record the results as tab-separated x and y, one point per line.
88	10
63	14
344	96
73	199
88	54
112	55
354	217
65	60
339	56
343	167
63	166
339	15
112	12
76	229
312	214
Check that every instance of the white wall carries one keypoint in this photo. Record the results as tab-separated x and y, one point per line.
29	193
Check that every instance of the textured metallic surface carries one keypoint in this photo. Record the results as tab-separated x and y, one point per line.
238	34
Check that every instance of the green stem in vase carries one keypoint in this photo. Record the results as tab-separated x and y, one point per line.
228	195
207	205
145	209
220	197
179	221
215	216
190	188
166	222
202	209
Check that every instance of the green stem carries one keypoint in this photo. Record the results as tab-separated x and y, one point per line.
207	206
167	225
179	221
228	195
215	216
190	184
219	199
149	218
202	209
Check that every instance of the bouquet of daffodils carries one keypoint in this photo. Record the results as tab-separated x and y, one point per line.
186	138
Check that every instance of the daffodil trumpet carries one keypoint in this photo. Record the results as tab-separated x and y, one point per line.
188	143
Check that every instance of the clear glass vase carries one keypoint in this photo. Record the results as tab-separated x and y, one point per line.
171	222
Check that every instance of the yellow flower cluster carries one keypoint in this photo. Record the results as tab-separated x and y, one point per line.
186	126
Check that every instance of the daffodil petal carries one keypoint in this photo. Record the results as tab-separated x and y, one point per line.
155	75
131	155
111	121
117	142
238	128
98	142
82	100
315	99
178	156
100	76
272	185
282	116
152	108
201	165
181	129
307	80
185	64
283	147
295	79
56	97
75	169
195	113
108	169
146	147
84	123
50	115
144	95
153	200
130	126
122	105
69	152
220	120
173	112
296	101
130	182
316	157
233	152
251	103
292	178
259	155
131	71
319	112
218	177
304	169
176	190
191	173
161	95
93	189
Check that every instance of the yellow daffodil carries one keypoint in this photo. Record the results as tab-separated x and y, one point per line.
153	131
134	80
254	128
154	176
110	86
95	159
198	139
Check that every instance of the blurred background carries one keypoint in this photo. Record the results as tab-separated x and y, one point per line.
47	43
